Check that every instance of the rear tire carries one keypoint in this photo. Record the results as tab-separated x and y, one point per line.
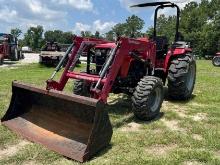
40	60
181	77
15	55
1	61
147	98
21	55
81	88
216	61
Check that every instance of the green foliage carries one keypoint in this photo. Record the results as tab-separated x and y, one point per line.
119	29
110	35
199	24
34	37
134	25
97	35
16	32
150	31
131	28
166	27
58	36
86	34
53	35
90	35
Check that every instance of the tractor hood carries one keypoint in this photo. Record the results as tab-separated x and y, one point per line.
110	45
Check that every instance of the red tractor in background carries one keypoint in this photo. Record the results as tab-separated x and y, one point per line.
77	125
9	48
216	59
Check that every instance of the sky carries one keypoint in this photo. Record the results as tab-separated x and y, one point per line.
74	15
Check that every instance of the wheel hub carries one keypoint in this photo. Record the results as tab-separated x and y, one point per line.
154	100
216	61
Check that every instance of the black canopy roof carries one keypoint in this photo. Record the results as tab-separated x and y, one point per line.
151	4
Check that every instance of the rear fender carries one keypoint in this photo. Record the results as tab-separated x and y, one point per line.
173	53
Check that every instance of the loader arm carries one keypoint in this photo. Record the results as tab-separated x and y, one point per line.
79	45
119	57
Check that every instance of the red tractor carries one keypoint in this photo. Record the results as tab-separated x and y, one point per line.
77	125
9	48
216	59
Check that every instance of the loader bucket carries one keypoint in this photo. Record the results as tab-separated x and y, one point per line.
74	126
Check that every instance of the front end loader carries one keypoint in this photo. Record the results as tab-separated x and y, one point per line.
77	125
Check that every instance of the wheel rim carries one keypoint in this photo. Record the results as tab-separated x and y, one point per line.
216	61
190	77
154	99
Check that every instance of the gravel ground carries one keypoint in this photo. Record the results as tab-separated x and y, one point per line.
28	59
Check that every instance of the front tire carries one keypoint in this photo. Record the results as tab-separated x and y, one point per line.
15	55
181	77
216	61
147	98
1	61
81	88
21	55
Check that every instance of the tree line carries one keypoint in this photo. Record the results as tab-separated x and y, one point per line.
199	25
35	37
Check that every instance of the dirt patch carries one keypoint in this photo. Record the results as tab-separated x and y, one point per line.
28	59
180	110
31	162
157	131
198	104
131	127
193	162
217	154
165	105
160	150
173	125
62	161
197	137
199	117
113	98
181	113
12	150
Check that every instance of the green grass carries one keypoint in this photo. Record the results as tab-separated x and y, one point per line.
152	143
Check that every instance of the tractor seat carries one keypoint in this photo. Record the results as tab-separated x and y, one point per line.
161	46
161	43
